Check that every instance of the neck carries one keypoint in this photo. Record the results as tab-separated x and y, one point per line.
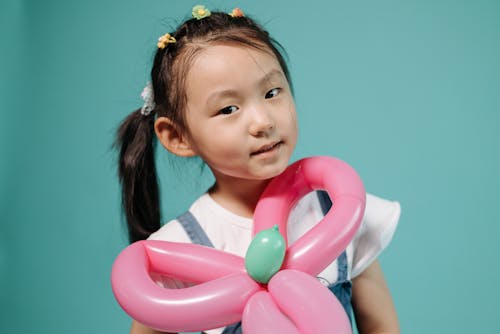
238	196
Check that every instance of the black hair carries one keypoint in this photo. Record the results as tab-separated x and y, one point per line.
136	137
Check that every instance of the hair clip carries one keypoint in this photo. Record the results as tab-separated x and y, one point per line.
149	99
199	12
237	12
164	40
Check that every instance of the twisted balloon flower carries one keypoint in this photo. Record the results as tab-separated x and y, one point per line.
286	299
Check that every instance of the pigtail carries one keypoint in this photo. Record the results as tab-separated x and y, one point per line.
137	174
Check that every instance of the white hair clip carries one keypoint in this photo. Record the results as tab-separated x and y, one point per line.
149	99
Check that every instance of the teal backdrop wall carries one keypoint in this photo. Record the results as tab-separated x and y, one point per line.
408	92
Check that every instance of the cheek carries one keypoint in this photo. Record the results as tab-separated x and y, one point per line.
218	144
292	119
293	128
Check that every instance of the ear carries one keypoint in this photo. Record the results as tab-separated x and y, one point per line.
172	139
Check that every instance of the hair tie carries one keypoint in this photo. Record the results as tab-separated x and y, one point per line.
164	40
237	12
149	99
200	11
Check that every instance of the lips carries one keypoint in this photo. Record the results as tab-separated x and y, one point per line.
267	148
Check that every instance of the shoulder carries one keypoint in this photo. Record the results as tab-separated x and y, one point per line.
171	231
379	222
376	231
380	211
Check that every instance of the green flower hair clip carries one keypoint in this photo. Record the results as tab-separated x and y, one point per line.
199	12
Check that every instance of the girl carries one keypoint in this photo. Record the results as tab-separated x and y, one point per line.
221	91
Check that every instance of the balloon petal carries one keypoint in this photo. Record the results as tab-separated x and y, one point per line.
261	315
325	241
309	304
212	304
190	262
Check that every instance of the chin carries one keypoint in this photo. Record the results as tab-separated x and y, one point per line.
273	172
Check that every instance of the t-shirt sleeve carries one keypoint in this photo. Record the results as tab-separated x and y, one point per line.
375	233
172	231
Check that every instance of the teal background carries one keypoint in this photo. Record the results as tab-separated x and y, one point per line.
407	92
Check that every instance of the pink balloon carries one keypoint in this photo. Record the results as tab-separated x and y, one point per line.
215	303
322	244
189	262
293	302
318	311
262	315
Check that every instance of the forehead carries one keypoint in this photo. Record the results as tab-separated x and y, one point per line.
235	64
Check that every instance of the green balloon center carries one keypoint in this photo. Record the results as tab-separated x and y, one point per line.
265	254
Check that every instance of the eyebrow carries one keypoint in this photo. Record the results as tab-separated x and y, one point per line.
270	75
232	92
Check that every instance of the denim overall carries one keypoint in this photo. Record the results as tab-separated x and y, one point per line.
342	288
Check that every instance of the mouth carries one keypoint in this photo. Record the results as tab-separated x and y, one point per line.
267	148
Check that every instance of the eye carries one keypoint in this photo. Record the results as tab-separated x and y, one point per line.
228	110
273	93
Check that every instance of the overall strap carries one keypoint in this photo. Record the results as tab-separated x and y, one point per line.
342	267
198	236
342	289
194	230
324	201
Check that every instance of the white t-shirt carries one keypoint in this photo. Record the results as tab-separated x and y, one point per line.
232	233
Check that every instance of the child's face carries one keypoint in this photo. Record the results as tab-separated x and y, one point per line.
240	112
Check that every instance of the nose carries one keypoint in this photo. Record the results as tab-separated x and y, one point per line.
261	121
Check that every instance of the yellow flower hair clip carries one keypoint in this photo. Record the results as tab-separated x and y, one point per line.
237	12
199	12
164	40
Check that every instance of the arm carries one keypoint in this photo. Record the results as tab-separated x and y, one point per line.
138	328
372	303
